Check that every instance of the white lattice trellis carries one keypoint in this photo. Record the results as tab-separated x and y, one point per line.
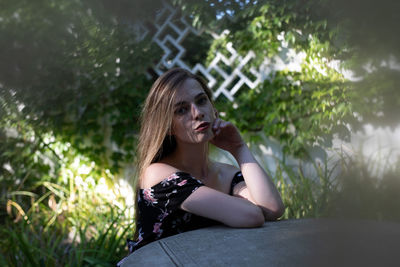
165	24
170	31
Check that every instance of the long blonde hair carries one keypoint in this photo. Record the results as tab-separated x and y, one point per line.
155	138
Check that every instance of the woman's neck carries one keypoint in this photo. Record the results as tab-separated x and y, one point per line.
191	158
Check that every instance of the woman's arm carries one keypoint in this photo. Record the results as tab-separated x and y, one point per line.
259	187
231	211
208	202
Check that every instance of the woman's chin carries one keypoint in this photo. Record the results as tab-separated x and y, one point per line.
208	136
204	138
197	138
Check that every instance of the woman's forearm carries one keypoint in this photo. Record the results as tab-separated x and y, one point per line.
260	186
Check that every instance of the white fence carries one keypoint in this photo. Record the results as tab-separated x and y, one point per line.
171	29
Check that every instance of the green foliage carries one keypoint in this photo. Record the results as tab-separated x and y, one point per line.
305	196
76	73
204	13
354	187
368	189
87	56
27	243
376	98
325	31
82	219
301	108
57	206
73	79
370	49
295	110
25	157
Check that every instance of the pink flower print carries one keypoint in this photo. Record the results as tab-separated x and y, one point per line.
140	238
157	229
173	192
163	215
165	183
172	177
148	195
182	183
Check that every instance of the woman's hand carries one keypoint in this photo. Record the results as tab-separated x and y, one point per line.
226	136
259	187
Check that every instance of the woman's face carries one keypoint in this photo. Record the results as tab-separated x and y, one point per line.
193	114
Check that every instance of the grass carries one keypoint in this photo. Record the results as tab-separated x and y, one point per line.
367	189
304	196
363	189
28	243
32	241
70	224
73	223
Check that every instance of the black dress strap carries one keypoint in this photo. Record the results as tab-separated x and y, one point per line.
235	180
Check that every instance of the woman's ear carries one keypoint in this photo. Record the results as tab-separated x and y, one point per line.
216	113
170	131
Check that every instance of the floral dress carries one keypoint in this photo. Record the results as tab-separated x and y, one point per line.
159	209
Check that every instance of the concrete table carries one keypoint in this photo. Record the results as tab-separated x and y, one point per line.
306	242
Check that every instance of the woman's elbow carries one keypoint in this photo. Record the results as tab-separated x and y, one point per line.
274	213
257	218
250	218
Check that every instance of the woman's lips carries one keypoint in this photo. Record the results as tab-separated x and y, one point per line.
202	127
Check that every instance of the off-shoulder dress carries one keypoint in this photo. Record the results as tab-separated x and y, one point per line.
159	209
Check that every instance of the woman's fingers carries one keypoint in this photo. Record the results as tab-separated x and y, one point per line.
224	124
214	125
226	135
217	125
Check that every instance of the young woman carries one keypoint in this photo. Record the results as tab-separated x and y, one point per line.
179	187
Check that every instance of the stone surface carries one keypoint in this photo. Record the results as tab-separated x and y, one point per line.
306	242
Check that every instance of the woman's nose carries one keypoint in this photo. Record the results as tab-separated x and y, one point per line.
197	113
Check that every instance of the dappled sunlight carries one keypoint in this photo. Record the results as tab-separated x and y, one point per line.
381	146
85	183
87	206
313	88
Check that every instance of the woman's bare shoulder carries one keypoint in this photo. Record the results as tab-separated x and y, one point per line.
155	173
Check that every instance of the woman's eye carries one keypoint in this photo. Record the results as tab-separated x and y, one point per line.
181	110
202	101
